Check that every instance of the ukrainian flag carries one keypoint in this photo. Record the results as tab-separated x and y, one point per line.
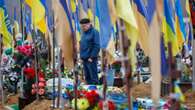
180	25
7	38
105	23
38	14
168	28
74	6
142	21
64	31
125	12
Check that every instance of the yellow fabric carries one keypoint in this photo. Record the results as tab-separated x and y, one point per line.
110	51
73	6
188	8
7	38
178	91
38	14
97	23
132	35
169	36
125	12
42	25
90	14
180	38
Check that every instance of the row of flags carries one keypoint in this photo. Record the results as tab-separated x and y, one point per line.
143	20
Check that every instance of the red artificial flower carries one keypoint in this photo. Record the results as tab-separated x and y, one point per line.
33	91
29	72
41	79
41	85
111	105
41	76
41	91
92	97
28	46
26	49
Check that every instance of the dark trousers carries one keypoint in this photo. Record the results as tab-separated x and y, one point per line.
90	70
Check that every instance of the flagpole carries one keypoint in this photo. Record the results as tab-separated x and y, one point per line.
124	47
22	19
59	78
193	63
1	75
193	47
104	62
75	69
35	61
53	66
22	29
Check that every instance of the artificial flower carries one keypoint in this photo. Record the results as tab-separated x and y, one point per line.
41	91
83	104
92	97
29	72
41	85
111	105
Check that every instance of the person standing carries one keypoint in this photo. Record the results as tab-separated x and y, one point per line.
89	50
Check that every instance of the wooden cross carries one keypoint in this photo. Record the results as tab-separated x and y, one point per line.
124	47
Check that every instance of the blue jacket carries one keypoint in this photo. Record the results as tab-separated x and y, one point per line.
89	44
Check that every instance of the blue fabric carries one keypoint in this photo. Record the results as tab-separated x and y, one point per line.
179	13
103	14
190	37
90	70
151	8
164	63
89	44
65	6
141	8
169	15
148	10
28	23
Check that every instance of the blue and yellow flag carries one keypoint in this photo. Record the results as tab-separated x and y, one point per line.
143	24
125	12
168	28
105	23
4	26
180	25
64	31
38	14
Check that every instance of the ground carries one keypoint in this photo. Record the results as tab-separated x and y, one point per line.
140	90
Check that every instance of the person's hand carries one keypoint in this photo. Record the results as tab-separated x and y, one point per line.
90	60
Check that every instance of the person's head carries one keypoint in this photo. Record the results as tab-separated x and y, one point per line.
85	24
